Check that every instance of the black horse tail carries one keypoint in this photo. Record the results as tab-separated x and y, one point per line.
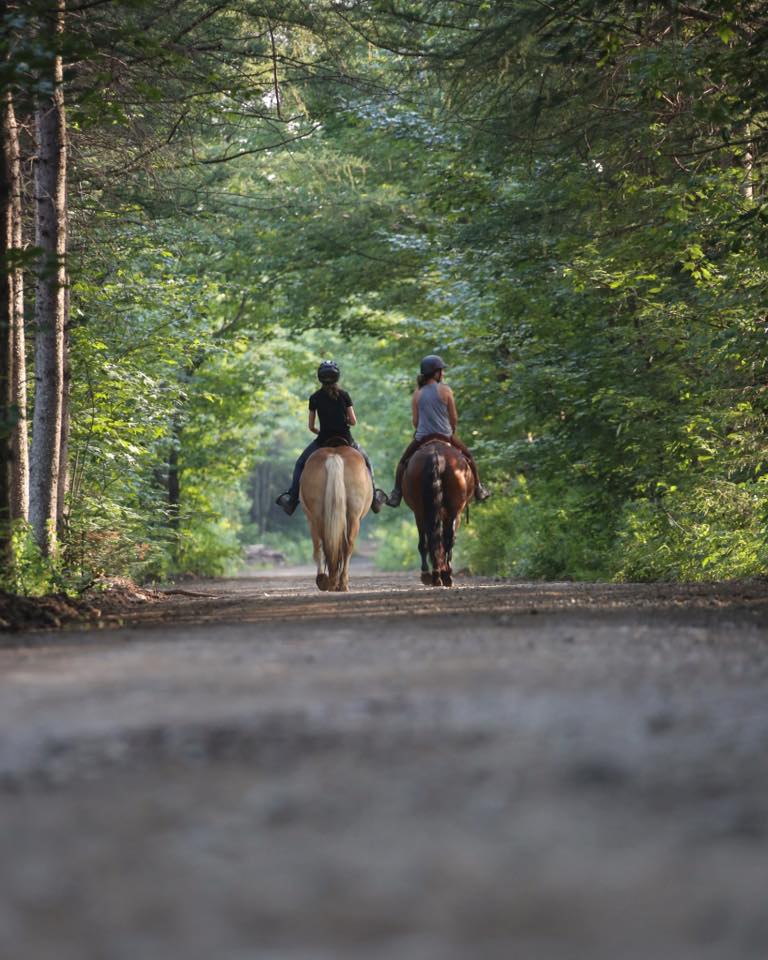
432	492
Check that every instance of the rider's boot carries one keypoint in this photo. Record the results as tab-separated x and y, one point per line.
379	498
393	500
288	502
481	493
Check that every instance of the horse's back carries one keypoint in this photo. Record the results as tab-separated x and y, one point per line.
355	476
438	459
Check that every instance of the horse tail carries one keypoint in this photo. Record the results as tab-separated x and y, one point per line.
432	492
334	515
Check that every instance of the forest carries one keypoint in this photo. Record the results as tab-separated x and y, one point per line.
201	199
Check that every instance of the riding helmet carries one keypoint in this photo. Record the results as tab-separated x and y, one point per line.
431	364
328	371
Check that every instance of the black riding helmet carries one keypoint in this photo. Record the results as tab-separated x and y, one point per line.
431	364
328	371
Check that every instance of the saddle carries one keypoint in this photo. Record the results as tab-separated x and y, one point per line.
434	438
335	442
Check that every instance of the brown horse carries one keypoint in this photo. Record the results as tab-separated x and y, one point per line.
336	493
437	486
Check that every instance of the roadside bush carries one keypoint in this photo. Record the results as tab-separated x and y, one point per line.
209	547
29	574
552	534
398	543
715	530
106	538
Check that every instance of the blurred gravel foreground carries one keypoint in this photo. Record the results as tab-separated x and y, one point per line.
503	770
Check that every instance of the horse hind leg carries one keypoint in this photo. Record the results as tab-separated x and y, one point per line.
432	578
353	529
335	577
426	576
331	581
440	558
342	584
446	574
321	579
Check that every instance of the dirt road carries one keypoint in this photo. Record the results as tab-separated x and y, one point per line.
503	770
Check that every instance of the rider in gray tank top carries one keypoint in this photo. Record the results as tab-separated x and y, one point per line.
433	413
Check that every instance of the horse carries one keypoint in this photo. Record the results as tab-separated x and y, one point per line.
335	493
438	486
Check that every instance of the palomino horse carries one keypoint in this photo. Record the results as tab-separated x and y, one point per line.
437	486
336	493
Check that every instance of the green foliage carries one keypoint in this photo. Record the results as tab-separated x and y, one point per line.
711	532
553	533
560	201
29	573
209	547
398	544
106	537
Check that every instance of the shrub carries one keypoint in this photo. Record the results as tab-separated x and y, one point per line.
549	532
713	530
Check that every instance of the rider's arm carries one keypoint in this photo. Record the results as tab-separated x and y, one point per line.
415	408
453	415
351	418
311	422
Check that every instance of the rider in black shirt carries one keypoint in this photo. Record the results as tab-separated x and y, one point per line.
333	412
333	407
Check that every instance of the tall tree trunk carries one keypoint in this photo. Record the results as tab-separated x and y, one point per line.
748	162
63	485
6	332
19	438
174	477
51	238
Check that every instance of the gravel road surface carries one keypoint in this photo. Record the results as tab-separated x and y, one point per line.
256	771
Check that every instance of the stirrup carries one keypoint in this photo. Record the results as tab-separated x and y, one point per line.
481	493
287	502
393	500
379	498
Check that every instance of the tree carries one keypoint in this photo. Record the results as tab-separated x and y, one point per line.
14	481
51	297
7	321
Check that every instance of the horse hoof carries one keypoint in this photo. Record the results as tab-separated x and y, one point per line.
322	581
426	579
447	580
437	580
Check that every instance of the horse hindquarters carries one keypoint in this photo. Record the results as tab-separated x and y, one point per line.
436	488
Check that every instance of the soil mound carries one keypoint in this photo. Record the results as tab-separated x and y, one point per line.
105	597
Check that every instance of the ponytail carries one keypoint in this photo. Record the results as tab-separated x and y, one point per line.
332	389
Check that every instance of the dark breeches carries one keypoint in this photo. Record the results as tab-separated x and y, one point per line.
414	445
307	453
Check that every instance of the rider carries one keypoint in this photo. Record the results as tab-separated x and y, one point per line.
435	418
334	408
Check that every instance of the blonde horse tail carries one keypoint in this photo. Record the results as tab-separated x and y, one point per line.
334	516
